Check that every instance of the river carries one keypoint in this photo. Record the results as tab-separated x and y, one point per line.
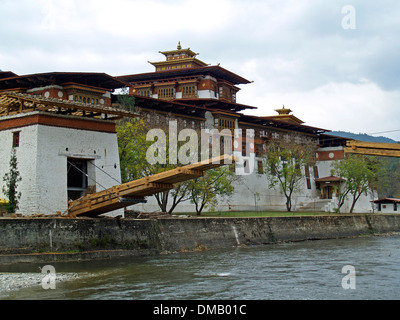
306	270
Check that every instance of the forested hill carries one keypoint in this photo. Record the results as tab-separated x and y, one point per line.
389	178
362	137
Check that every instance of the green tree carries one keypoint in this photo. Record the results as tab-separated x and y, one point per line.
11	179
133	148
204	191
360	174
180	193
125	101
133	151
284	165
389	178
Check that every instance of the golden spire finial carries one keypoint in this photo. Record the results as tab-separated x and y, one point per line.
179	46
283	110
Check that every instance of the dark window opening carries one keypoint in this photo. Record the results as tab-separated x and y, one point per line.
16	139
260	169
316	174
308	179
77	181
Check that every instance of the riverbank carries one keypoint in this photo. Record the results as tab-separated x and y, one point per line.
15	281
48	240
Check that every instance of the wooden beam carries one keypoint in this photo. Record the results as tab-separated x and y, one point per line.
49	104
110	199
373	152
374	145
373	148
21	105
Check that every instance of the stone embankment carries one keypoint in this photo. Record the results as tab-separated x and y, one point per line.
58	239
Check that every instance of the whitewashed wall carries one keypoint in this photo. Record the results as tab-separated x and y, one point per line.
252	193
27	165
387	208
42	162
363	204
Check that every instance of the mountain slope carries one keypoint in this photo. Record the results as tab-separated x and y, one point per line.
362	137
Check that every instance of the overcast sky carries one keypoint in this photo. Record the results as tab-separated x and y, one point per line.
304	54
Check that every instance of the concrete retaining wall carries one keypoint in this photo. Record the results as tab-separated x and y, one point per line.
32	240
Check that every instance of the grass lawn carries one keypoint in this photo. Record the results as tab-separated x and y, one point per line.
248	214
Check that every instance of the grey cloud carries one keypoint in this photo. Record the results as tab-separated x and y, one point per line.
305	34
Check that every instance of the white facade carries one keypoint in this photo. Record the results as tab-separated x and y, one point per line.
252	193
45	151
43	154
389	206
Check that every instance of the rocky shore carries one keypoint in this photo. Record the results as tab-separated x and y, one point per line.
15	281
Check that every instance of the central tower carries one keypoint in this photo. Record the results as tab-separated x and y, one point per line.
178	59
184	77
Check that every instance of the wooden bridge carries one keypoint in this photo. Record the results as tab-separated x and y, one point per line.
134	192
373	148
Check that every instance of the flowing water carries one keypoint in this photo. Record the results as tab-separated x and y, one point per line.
295	271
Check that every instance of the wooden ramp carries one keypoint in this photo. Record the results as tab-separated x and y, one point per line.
373	148
134	192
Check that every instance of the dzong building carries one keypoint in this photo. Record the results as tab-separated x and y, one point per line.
63	126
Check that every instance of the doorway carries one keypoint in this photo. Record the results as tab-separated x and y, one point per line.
328	192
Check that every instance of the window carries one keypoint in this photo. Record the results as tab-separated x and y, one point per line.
166	93
144	92
259	150
77	181
308	178
275	135
227	92
86	99
15	142
260	167
244	148
226	124
234	97
286	138
316	174
263	134
189	91
224	93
